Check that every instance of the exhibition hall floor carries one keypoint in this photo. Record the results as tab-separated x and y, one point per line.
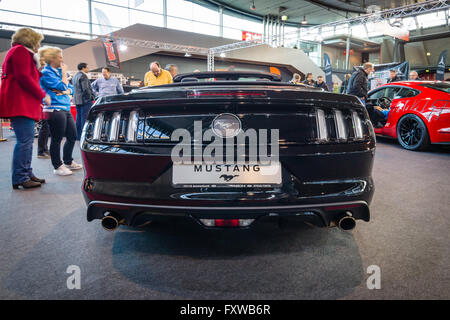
44	231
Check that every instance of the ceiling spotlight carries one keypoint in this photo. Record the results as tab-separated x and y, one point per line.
428	54
222	54
304	20
187	55
284	18
123	47
253	5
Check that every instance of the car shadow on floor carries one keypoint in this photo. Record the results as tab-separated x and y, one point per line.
434	148
265	262
183	261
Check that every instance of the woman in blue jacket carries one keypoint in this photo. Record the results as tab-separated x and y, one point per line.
55	83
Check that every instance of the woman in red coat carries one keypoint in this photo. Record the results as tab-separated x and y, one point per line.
20	101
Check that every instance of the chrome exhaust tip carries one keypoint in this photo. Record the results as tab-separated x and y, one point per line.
111	222
346	223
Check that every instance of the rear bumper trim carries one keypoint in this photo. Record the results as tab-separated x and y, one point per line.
241	208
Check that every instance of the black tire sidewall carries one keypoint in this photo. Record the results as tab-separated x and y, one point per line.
423	142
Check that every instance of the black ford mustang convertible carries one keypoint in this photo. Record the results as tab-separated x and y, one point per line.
228	149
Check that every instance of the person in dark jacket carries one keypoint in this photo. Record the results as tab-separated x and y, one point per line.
344	84
321	84
357	85
393	76
20	101
82	96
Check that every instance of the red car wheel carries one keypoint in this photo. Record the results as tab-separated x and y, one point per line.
412	133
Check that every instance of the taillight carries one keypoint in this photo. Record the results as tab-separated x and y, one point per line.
334	125
340	125
321	125
132	126
114	129
84	132
357	125
227	222
98	127
225	94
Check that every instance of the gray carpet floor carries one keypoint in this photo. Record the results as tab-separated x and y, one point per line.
44	231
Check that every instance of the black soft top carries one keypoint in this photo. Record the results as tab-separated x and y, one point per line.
226	76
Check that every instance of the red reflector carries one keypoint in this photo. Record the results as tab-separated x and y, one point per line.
226	222
347	206
225	94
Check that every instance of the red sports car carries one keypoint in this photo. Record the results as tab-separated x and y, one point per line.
419	112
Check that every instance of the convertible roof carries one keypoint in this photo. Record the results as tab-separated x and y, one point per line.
226	75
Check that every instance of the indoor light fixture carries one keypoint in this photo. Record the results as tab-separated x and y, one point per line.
187	55
284	18
123	47
222	54
253	5
304	20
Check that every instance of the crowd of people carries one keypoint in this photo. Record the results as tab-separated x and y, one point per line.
345	88
320	83
36	86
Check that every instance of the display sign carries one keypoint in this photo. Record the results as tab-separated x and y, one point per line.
440	71
327	69
111	53
382	72
247	35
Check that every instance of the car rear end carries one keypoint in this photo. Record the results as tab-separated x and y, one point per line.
325	141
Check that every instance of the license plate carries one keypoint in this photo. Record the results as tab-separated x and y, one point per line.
235	175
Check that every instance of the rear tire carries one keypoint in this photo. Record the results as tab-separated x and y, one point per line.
412	133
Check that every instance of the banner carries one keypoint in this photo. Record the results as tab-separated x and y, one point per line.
381	74
440	71
247	35
111	53
327	69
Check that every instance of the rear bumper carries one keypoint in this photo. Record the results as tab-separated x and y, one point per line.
321	215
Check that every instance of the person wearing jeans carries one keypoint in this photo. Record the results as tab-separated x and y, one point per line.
54	81
44	133
82	112
82	96
23	150
20	101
